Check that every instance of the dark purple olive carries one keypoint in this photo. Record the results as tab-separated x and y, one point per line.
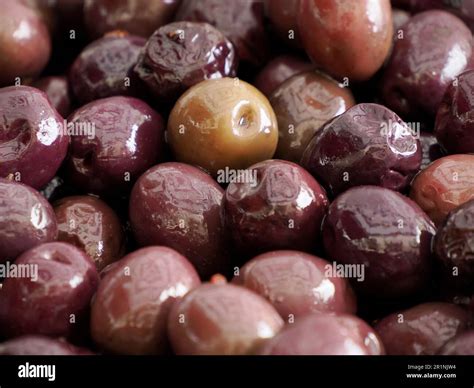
178	205
182	54
383	234
130	310
54	295
124	137
138	17
454	247
26	219
366	145
283	15
276	205
57	90
454	127
91	225
430	148
25	43
33	137
296	284
221	319
36	345
104	68
241	21
462	345
432	50
302	104
421	330
325	335
279	70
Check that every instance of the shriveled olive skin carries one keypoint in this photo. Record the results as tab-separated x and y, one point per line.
454	127
422	64
26	219
36	345
131	307
385	232
138	17
281	209
296	284
241	21
325	335
302	104
444	185
221	319
182	54
346	39
57	90
91	225
178	205
421	330
366	145
454	247
104	68
222	123
33	143
462	345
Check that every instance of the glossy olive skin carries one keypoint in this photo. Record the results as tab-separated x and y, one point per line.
302	104
32	142
221	319
222	123
421	330
178	205
281	207
138	17
283	16
453	247
182	54
278	70
295	283
385	232
366	145
57	90
36	345
128	139
422	64
444	185
430	148
57	303
241	21
325	334
130	310
91	225
462	345
26	219
25	44
346	40
455	118
104	68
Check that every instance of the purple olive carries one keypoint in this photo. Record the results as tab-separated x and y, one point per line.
434	48
283	15
385	235
221	319
130	310
366	145
462	345
178	205
104	68
33	139
26	220
277	205
36	345
54	295
124	137
421	330
454	125
296	284
57	90
325	334
241	21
